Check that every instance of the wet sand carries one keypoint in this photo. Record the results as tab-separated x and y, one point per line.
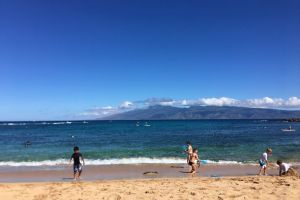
119	172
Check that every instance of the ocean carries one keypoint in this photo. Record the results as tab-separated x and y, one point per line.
134	142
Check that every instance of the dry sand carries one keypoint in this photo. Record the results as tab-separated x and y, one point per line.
254	187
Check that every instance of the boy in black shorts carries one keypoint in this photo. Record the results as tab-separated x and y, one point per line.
77	166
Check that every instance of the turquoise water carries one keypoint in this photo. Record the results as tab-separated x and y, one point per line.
113	142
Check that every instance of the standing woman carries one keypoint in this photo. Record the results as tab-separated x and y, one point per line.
194	161
188	151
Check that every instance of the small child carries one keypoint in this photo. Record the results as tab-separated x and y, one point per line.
284	168
77	166
263	161
194	161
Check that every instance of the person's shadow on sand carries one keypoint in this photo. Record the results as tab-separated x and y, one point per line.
66	179
185	172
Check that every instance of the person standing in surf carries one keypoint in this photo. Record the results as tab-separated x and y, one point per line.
188	151
77	166
263	161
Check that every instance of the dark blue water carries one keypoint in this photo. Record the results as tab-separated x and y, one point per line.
217	140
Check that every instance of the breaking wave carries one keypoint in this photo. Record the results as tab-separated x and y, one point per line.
40	123
139	160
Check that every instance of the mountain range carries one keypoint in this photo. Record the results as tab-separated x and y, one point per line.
159	112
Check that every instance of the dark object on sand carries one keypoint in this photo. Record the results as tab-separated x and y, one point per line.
174	166
151	173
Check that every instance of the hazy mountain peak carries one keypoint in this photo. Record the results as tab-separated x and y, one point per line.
159	112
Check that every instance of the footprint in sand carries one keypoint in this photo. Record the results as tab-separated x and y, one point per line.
40	197
114	197
193	193
149	192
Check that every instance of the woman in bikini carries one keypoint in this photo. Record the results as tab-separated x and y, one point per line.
194	161
188	151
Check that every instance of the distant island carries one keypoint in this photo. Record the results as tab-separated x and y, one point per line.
203	112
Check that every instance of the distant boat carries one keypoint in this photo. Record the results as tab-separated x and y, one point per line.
146	124
137	124
85	122
290	129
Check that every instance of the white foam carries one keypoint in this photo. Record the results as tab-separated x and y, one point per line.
223	162
36	123
13	124
55	123
139	160
35	163
40	123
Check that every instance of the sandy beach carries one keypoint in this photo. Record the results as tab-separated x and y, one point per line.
130	182
171	188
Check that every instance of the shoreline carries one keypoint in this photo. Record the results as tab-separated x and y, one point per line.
127	171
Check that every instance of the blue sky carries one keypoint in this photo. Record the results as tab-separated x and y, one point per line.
60	59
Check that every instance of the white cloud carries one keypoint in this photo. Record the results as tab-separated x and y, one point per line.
293	102
188	102
184	102
99	111
107	110
223	101
126	105
265	102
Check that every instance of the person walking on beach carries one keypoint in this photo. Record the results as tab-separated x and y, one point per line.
77	166
263	161
194	161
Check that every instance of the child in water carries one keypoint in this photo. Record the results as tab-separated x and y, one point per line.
263	161
77	166
194	161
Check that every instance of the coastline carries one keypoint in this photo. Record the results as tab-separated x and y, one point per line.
127	171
